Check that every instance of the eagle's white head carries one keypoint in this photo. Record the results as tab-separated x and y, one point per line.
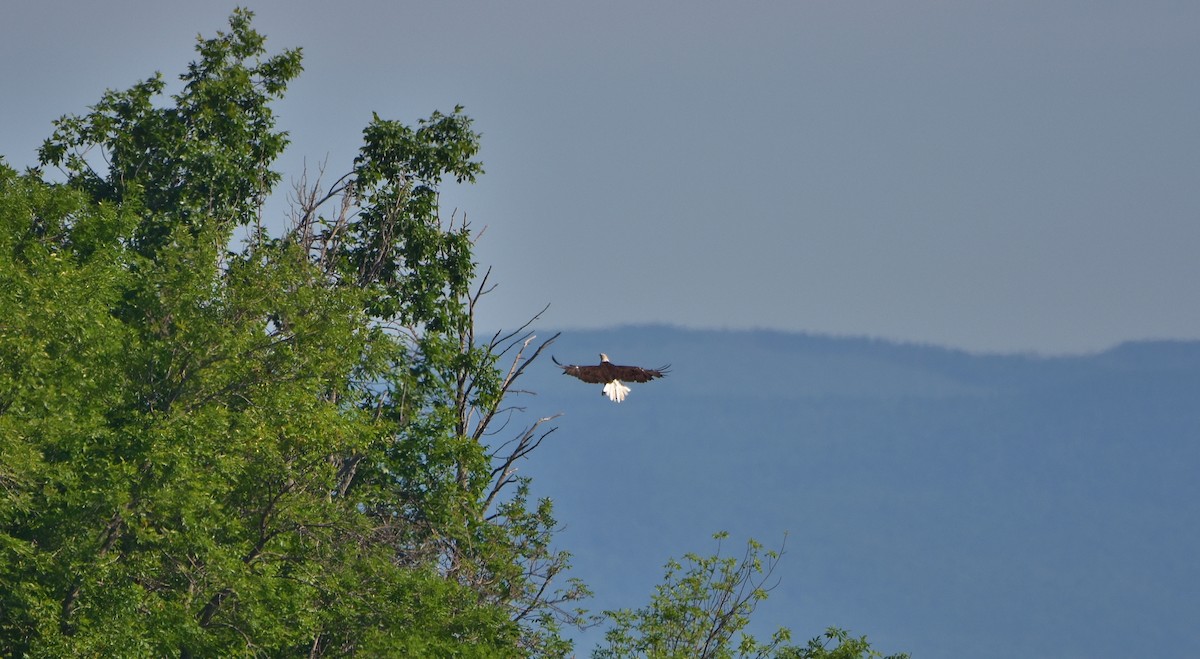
603	357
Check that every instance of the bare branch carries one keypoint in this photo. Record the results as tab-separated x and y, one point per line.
528	442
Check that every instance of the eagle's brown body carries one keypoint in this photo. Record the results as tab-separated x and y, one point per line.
612	375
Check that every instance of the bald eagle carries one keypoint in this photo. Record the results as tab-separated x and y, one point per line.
612	376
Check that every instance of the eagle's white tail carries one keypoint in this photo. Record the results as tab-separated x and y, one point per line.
616	391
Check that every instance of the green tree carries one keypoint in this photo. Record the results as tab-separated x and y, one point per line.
698	610
847	647
704	603
282	448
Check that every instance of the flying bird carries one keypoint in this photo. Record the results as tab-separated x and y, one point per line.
612	376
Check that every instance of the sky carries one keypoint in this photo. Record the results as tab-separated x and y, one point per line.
1019	176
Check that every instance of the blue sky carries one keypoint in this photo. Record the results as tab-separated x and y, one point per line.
1005	176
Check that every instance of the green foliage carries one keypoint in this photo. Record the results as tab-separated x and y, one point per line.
203	161
276	450
418	270
847	647
697	611
704	603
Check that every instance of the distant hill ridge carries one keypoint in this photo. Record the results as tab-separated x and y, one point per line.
774	363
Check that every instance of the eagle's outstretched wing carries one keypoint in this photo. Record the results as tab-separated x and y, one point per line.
639	374
606	372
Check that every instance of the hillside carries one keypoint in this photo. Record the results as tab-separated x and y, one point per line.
946	504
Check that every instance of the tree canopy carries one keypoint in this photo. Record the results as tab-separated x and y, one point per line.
269	448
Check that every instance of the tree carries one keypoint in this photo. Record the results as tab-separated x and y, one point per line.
847	647
697	611
283	448
704	603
